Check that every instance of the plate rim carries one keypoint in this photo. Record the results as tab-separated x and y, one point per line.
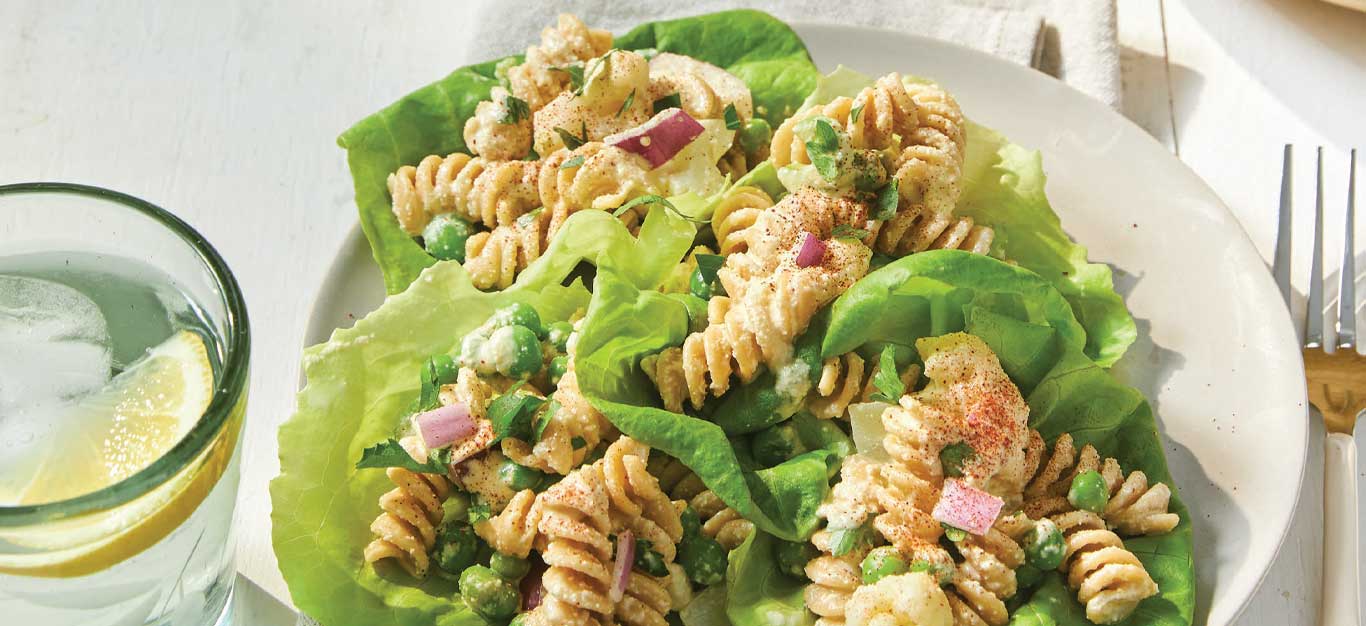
319	325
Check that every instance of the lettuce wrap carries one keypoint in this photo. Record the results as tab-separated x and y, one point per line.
360	384
758	48
1027	323
1003	187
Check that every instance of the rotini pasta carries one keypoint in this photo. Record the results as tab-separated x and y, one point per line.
493	259
573	542
645	602
719	521
513	529
638	502
928	173
985	578
1135	508
478	476
913	599
847	379
735	214
604	178
406	529
1109	580
498	130
833	581
878	118
493	193
931	231
536	80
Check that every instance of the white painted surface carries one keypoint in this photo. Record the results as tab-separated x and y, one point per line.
227	115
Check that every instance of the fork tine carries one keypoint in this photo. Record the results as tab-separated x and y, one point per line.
1347	293
1280	266
1313	317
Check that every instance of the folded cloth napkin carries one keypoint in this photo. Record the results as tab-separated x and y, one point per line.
1073	40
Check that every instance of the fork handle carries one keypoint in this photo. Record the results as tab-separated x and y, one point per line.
1341	604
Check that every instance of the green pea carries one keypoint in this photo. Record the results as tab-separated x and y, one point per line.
488	594
1089	492
698	285
445	369
776	444
792	557
456	549
882	562
519	477
445	236
1027	576
518	314
558	366
508	566
1044	545
559	333
703	559
755	135
692	524
516	352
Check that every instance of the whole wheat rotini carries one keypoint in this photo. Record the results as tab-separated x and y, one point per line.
573	542
406	529
1109	580
605	177
735	214
847	379
498	130
566	43
492	193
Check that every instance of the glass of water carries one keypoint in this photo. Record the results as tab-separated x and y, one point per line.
123	369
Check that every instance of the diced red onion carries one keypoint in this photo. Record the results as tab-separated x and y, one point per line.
444	425
966	507
621	568
659	139
813	250
533	590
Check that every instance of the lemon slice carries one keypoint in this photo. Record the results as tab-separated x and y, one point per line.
133	421
117	431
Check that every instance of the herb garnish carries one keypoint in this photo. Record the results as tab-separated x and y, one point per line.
887	381
887	200
954	456
572	162
392	454
626	104
570	140
514	110
845	231
671	101
732	117
708	265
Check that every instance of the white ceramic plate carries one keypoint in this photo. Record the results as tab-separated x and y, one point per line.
1216	354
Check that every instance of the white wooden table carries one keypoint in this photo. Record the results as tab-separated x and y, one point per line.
227	115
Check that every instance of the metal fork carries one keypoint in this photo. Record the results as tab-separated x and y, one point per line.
1337	388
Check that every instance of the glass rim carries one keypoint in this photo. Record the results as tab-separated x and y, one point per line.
228	389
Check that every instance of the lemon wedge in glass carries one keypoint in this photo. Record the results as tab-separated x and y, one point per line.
112	434
133	421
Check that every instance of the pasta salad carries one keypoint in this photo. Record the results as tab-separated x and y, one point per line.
682	331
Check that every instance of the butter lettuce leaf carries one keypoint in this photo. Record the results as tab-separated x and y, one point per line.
360	384
758	48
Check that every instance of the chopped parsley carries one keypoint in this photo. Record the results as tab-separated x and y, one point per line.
512	415
578	442
954	456
953	533
479	510
823	148
886	379
708	265
514	110
845	231
575	73
855	113
732	117
571	140
626	104
671	101
392	454
846	540
572	162
655	199
542	420
887	200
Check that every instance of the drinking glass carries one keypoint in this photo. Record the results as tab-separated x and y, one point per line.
124	347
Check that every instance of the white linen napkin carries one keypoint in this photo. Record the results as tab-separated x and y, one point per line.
1072	40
